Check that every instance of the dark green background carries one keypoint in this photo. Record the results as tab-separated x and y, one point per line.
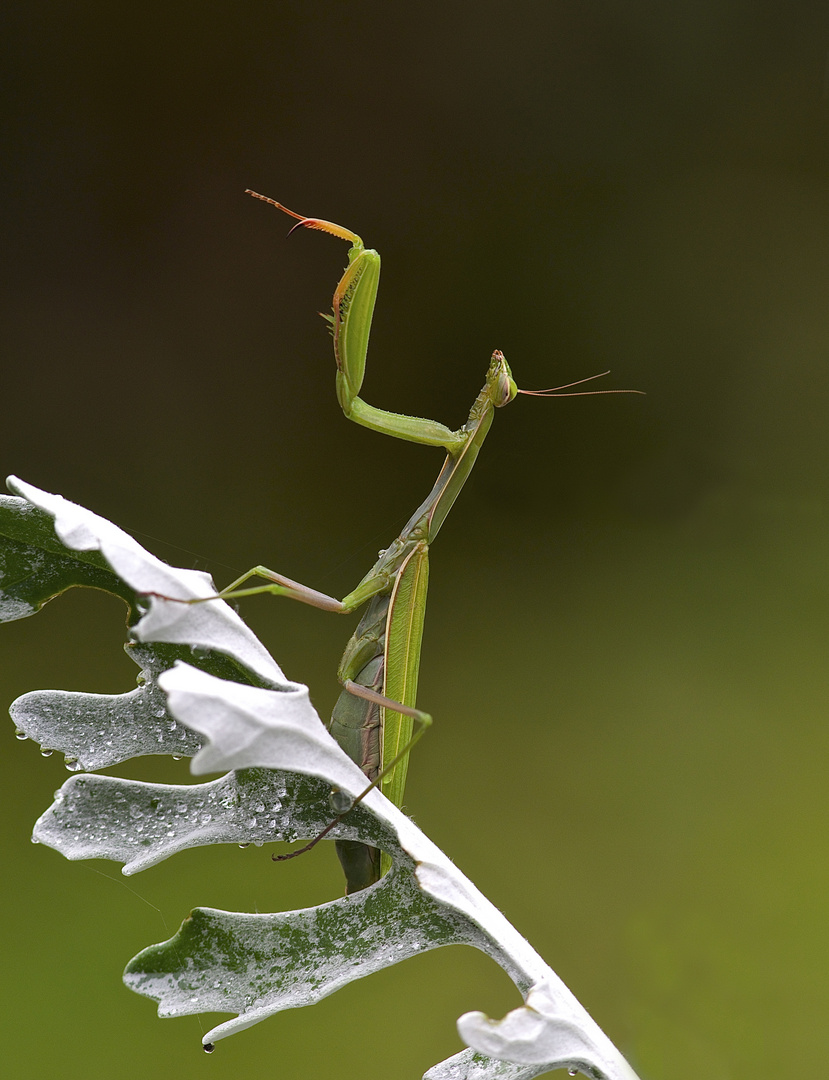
626	637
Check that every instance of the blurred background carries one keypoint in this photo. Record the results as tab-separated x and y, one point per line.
626	636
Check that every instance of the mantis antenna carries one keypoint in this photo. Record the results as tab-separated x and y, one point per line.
553	391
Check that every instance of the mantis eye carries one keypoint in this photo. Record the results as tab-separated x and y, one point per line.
505	390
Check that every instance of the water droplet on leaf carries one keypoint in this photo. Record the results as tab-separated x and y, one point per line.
208	1048
339	801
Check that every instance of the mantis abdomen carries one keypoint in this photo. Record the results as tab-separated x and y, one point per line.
383	655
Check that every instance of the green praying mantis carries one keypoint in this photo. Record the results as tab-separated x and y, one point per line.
373	719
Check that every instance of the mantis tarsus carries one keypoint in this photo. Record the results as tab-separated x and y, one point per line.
374	717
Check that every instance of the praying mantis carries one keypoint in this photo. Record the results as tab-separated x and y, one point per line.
373	719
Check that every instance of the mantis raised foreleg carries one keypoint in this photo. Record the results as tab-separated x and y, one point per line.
374	716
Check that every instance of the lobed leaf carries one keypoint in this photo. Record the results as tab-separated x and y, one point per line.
98	730
256	965
233	709
140	824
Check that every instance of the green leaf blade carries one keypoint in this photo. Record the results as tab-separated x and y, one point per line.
35	567
257	965
140	824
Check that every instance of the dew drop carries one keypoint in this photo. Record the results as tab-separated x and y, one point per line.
177	757
340	802
244	845
46	752
572	1072
18	734
208	1048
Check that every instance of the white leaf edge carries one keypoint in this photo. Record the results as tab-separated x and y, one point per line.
212	625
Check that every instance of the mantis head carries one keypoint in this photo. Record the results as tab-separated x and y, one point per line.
503	389
500	384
